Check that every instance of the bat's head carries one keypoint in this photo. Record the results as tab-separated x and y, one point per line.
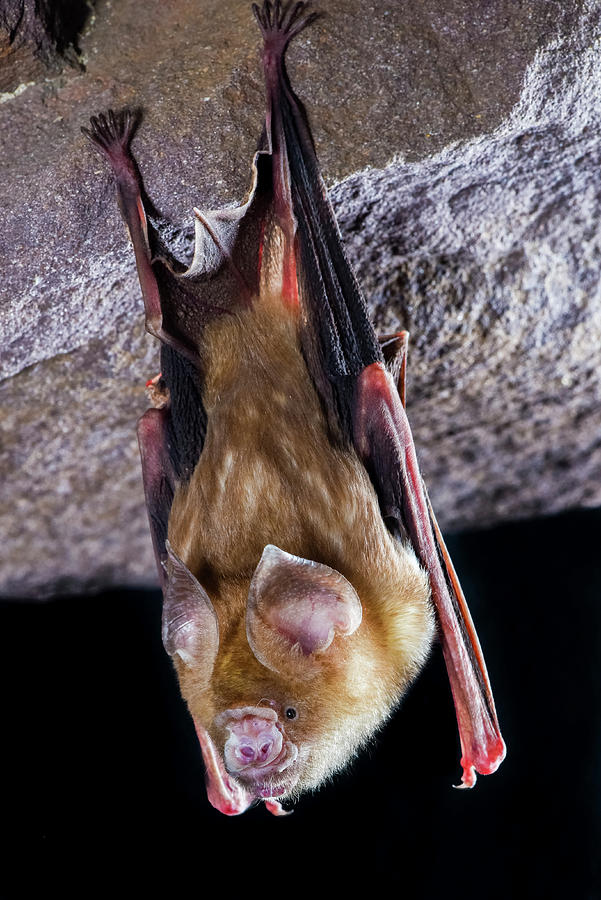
277	685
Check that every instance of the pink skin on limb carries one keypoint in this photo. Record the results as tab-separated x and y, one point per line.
382	432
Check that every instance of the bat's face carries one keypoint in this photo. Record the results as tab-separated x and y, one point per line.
278	693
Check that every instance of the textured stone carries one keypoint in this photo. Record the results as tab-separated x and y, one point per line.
461	141
37	37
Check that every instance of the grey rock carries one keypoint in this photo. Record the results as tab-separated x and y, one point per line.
461	144
38	37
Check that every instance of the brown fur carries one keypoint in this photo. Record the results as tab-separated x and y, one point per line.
269	473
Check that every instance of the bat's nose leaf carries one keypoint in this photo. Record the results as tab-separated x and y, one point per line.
252	742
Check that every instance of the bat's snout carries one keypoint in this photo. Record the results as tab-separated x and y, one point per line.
256	747
252	742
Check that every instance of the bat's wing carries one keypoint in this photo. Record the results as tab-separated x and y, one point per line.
384	441
357	389
158	478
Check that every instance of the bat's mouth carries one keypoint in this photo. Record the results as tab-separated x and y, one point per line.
274	789
264	786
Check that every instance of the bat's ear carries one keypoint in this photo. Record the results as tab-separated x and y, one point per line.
190	628
295	609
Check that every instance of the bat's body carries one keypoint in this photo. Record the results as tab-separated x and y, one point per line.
269	474
297	550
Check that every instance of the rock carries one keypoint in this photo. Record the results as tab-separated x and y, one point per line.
38	37
461	147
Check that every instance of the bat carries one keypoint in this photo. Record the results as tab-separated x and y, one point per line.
303	572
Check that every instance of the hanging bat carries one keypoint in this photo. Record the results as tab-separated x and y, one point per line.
302	568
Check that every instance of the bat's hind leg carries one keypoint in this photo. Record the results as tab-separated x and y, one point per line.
111	135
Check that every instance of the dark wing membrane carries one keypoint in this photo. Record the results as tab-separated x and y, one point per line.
158	479
186	425
330	286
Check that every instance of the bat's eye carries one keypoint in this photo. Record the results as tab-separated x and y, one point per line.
290	712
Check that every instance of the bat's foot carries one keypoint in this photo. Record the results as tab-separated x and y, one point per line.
111	135
280	23
157	392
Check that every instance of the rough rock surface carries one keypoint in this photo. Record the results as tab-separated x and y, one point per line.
461	141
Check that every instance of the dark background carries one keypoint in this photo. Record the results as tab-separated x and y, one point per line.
104	784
